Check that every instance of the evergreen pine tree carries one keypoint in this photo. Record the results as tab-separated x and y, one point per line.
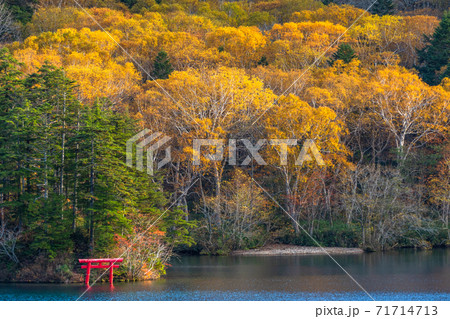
11	92
383	7
64	182
129	3
345	53
161	66
47	113
263	61
434	58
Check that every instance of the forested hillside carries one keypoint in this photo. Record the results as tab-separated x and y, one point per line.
79	78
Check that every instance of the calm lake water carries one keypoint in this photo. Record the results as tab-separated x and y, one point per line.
397	275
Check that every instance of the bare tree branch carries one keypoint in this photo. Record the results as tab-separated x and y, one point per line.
8	240
8	28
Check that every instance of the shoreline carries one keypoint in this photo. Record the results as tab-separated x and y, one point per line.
293	250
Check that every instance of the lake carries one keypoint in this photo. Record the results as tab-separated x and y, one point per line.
397	275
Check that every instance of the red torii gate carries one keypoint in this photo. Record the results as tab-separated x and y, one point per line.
111	263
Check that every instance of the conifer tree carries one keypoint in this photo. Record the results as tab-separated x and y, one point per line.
434	58
11	95
161	66
345	53
383	7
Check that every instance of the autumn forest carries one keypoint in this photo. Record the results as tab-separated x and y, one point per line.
79	78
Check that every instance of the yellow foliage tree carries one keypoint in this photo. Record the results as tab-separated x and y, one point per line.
243	44
204	104
344	15
293	118
407	108
88	58
298	45
400	35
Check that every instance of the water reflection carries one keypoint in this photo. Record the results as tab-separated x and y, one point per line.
398	275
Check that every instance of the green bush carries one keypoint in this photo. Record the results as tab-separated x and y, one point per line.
337	235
